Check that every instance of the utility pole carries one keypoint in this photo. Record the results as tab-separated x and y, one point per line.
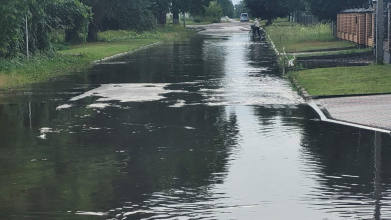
184	19
27	41
379	30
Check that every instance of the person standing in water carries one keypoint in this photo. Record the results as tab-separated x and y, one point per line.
256	27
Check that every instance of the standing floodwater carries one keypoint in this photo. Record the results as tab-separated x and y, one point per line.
201	129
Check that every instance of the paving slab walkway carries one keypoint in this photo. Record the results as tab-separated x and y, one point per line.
373	111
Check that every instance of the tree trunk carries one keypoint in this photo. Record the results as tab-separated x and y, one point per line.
175	17
95	24
269	21
162	18
71	35
92	32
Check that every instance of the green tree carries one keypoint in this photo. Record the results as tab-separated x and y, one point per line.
328	9
227	6
214	12
122	14
195	7
130	15
198	7
43	17
239	9
160	9
272	9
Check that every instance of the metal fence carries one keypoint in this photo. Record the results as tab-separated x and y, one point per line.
304	19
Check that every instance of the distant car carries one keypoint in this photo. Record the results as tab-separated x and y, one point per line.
244	17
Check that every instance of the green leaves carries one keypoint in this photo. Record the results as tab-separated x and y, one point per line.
271	9
214	12
328	9
228	7
44	16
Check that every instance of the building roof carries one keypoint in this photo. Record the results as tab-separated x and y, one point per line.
357	10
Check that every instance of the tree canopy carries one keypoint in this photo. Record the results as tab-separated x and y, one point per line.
239	9
271	9
328	9
228	7
78	17
43	16
323	9
214	11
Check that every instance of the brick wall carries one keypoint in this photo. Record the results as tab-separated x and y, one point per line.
361	28
368	29
356	27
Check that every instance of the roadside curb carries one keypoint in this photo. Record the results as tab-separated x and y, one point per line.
324	118
319	108
125	53
332	56
197	29
330	50
302	92
273	45
351	95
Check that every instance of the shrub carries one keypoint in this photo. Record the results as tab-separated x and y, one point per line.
198	19
214	12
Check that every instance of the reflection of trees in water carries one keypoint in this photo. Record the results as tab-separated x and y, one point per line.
169	63
350	165
150	149
262	56
347	164
53	175
286	115
173	157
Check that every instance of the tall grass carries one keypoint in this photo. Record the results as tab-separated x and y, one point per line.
125	35
164	33
300	33
17	72
300	38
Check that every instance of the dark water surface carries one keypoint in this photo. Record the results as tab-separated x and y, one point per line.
204	129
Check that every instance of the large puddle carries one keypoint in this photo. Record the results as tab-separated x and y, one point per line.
202	129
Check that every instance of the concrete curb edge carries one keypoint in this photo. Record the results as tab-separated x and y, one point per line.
125	53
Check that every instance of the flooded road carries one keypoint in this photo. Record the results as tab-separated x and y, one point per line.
202	129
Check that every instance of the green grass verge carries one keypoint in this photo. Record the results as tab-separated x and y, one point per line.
347	52
18	72
313	45
100	50
198	23
300	38
345	80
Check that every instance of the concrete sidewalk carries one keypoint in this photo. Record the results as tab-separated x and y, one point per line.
372	111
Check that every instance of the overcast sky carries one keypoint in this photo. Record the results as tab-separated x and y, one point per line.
235	1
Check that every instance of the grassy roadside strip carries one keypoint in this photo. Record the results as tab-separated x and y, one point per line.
373	79
299	38
18	72
341	52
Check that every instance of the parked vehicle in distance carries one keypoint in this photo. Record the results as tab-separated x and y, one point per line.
244	17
